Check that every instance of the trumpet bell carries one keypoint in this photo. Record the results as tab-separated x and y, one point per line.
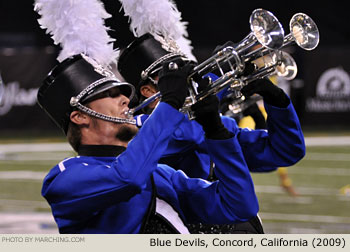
277	62
267	29
305	31
287	67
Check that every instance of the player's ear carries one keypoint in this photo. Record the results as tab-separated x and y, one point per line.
147	90
79	117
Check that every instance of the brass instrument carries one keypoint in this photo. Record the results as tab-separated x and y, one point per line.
240	104
277	62
303	31
262	44
266	32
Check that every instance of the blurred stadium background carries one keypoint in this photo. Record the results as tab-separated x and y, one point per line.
30	144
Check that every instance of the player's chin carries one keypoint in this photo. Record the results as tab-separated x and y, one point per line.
126	132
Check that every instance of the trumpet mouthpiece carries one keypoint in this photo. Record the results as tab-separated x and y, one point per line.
129	113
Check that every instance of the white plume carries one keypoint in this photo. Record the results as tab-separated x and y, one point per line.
186	48
158	17
78	26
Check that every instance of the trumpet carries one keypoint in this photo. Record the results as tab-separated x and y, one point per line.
267	33
266	30
240	104
276	63
303	32
264	44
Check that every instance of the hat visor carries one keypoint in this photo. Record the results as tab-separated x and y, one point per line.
126	89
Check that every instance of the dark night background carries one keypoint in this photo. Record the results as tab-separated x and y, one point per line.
210	22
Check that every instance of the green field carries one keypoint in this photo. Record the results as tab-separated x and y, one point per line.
320	207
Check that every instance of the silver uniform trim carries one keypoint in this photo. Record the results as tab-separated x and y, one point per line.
145	73
100	82
75	101
93	113
61	165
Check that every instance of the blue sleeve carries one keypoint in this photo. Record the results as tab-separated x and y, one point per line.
230	199
136	164
188	136
282	144
82	189
185	137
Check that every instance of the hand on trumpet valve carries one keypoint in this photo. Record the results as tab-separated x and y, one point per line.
172	82
248	69
272	94
203	83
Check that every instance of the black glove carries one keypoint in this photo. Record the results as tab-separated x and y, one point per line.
272	94
206	113
172	83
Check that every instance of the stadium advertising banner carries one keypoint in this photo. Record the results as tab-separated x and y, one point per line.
327	87
22	71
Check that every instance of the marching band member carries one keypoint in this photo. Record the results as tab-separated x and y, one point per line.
187	150
116	174
140	63
115	184
282	144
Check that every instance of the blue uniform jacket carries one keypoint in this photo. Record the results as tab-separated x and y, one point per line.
112	194
282	144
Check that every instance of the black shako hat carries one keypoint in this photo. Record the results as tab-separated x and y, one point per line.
80	78
144	57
